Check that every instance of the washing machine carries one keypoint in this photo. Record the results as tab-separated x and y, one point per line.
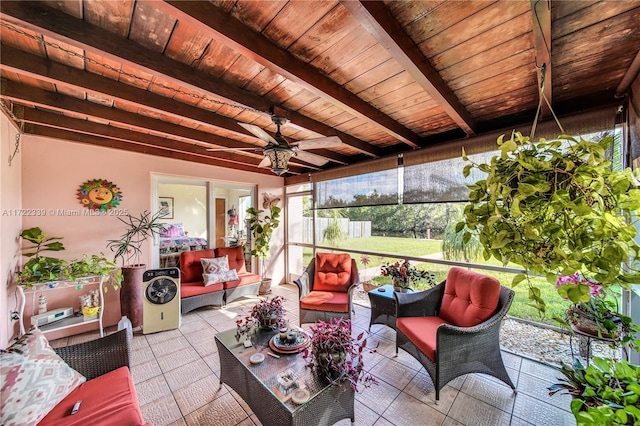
161	302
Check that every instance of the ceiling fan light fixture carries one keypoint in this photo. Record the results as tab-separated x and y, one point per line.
279	157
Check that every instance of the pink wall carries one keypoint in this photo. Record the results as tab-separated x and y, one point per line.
10	225
53	170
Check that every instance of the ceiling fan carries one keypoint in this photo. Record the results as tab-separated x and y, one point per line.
278	151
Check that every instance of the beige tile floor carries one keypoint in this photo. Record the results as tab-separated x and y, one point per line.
176	376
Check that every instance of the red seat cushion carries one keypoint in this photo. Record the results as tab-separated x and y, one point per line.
235	256
332	272
108	399
197	288
469	297
191	267
422	331
326	301
243	279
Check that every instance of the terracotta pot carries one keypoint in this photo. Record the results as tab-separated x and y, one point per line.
131	293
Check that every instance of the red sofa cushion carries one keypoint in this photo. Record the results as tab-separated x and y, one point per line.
469	297
243	279
326	301
108	399
236	257
422	331
197	288
332	272
190	266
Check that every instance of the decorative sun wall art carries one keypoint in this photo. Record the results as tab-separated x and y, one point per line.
99	194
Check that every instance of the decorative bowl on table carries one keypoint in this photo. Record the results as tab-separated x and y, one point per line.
289	346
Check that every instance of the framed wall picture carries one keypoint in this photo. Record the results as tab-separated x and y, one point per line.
166	207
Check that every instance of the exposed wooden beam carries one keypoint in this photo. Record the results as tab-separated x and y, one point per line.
91	38
22	93
71	136
233	33
541	12
380	23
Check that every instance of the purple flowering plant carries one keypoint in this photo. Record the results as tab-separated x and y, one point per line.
266	313
337	355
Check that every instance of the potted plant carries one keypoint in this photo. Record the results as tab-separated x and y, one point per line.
366	284
403	274
128	248
604	393
266	313
556	208
336	355
596	313
262	227
41	269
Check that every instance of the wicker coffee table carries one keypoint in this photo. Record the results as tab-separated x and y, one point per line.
257	384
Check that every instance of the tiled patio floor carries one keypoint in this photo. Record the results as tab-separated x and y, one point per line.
176	376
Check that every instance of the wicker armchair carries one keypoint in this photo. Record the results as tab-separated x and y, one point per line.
326	287
447	350
98	357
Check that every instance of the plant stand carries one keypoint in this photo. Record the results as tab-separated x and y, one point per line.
584	341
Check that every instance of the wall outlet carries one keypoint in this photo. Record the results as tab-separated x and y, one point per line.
13	316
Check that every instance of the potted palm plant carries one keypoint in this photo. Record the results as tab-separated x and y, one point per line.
128	248
262	226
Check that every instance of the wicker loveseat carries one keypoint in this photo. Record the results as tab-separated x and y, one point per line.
454	328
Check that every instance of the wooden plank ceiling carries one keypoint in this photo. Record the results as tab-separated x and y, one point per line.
174	78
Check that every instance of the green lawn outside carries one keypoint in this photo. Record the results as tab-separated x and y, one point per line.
556	306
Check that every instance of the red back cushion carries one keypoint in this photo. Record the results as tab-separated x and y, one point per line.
190	266
469	297
332	272
236	257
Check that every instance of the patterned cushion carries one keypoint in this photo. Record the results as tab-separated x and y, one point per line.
34	380
219	277
215	265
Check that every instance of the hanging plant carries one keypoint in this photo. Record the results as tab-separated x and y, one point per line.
556	208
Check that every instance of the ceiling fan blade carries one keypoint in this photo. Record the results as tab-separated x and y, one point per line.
319	143
257	148
311	158
258	132
265	163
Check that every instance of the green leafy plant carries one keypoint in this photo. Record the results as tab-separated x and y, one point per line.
40	269
129	246
556	208
94	265
607	392
333	233
262	227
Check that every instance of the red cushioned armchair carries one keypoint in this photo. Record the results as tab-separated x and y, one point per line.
326	287
454	328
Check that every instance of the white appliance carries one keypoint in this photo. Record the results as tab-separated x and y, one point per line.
51	316
161	301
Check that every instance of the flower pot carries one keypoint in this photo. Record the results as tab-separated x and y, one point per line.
131	293
585	322
367	286
401	285
265	286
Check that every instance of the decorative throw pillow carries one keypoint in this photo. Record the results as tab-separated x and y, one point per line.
220	277
214	265
34	380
